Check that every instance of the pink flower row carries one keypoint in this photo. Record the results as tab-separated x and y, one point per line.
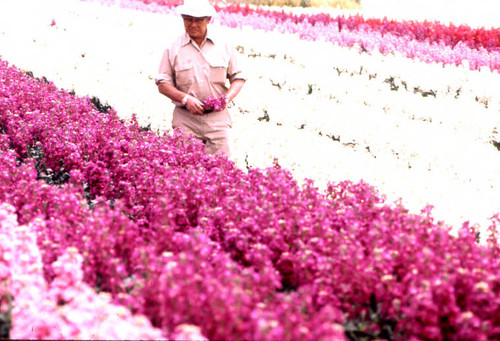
42	270
370	41
67	308
432	32
124	257
429	42
182	237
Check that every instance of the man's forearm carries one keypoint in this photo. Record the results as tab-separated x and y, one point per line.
234	89
171	92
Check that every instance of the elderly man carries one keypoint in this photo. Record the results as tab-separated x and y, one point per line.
195	68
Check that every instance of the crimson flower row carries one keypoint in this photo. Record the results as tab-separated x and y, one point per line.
446	51
183	237
429	31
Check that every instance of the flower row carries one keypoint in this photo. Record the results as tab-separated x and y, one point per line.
369	40
183	237
70	308
170	273
429	42
432	32
48	288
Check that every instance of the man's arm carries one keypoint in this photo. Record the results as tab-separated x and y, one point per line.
194	105
234	89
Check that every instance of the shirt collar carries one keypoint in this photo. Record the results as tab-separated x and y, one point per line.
210	36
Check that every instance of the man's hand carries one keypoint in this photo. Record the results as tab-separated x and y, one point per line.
194	105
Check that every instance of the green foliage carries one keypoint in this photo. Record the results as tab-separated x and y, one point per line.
5	316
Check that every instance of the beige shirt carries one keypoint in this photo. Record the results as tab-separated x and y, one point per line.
200	72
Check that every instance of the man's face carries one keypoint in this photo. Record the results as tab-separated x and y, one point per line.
195	27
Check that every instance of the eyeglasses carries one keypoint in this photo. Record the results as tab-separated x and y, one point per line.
195	20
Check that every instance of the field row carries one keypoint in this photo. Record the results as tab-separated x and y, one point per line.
429	42
414	130
172	234
436	126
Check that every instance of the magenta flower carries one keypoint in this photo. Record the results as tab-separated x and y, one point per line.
215	104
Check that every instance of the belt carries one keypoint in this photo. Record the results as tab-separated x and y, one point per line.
204	111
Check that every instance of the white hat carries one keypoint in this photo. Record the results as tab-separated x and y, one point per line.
196	8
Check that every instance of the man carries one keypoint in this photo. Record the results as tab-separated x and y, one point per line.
196	67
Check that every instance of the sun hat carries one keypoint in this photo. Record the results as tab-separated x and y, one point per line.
196	8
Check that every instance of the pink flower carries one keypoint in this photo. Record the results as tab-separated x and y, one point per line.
215	104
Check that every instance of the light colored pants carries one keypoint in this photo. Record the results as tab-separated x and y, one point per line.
211	128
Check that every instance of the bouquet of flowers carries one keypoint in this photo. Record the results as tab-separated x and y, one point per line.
215	104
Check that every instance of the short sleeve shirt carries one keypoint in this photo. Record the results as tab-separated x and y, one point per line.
200	71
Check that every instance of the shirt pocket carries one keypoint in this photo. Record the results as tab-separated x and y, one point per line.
184	73
218	70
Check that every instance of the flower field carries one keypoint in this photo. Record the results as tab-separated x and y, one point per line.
112	228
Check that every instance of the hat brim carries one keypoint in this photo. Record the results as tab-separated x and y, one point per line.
198	12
